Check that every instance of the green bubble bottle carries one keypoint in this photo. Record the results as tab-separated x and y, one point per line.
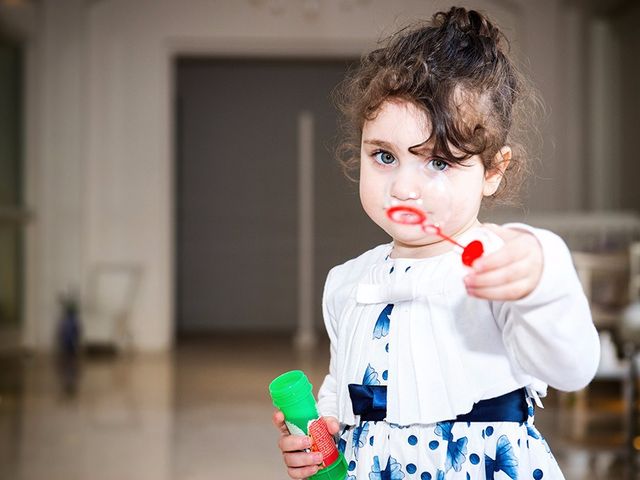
291	393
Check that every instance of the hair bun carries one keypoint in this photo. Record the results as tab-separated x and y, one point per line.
468	22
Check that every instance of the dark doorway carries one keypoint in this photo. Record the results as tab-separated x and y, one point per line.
236	191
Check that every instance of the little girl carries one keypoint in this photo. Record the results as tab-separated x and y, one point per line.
436	367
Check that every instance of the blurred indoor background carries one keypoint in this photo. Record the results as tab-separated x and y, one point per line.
170	206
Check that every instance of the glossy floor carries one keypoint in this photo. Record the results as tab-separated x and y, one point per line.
203	412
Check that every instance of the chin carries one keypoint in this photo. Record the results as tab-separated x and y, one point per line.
418	242
416	238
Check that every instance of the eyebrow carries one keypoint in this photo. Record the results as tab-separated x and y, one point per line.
415	149
379	143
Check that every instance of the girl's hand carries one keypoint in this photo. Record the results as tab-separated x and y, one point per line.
510	273
300	464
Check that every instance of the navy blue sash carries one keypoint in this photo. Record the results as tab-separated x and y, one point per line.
370	403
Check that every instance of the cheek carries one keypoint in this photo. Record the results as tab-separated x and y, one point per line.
366	186
371	192
366	193
469	197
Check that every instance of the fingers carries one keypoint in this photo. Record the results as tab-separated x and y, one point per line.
302	472
504	257
294	443
333	425
511	291
517	246
513	272
300	464
278	421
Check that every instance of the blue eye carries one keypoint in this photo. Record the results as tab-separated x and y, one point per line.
438	164
384	158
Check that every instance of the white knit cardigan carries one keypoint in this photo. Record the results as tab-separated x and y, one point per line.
449	350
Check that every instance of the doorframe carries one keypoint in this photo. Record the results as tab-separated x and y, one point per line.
18	216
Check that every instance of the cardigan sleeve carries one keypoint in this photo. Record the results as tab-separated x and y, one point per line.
327	395
549	334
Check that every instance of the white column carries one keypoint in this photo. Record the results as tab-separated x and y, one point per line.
604	144
572	149
306	335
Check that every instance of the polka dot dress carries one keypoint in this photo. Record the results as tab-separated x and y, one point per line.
441	451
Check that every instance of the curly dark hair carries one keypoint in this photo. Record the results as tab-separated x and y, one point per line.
456	70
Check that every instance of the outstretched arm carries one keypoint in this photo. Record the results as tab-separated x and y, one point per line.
540	306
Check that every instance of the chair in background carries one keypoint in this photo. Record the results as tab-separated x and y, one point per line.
634	274
106	313
630	335
605	280
604	277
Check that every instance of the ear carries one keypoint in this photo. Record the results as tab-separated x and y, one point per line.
493	177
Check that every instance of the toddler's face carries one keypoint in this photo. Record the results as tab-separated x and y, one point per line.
390	169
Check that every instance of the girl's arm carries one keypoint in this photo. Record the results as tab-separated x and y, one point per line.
301	463
327	395
540	305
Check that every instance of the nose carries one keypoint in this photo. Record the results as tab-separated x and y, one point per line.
405	185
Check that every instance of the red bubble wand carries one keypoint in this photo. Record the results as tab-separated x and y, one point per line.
407	215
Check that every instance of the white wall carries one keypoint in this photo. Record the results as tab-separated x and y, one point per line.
100	164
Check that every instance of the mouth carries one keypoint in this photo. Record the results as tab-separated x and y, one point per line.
406	215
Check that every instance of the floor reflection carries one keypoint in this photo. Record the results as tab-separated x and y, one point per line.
203	412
